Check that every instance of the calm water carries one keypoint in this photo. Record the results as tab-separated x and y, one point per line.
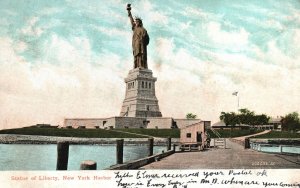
43	157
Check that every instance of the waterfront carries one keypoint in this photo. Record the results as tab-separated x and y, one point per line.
43	157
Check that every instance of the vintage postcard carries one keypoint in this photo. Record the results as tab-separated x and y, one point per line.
149	93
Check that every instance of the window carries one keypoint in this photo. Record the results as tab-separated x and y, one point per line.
188	135
104	122
142	84
149	85
146	84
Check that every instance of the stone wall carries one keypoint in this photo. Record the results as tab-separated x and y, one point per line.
89	123
160	123
128	122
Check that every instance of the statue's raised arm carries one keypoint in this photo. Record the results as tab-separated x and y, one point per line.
140	40
130	15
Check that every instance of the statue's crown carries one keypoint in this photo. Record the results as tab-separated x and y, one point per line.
138	18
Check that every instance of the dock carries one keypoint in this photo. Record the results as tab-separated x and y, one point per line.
233	157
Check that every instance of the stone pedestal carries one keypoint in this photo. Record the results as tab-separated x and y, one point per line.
140	99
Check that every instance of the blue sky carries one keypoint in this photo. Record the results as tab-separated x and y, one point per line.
69	58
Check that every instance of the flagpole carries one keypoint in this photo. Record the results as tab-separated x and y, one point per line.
236	93
238	103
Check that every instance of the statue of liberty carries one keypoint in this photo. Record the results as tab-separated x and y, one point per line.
140	40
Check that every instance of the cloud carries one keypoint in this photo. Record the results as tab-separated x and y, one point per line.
197	12
236	39
46	93
60	50
31	29
151	13
183	79
7	52
115	32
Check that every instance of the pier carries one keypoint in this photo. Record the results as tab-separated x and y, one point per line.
233	157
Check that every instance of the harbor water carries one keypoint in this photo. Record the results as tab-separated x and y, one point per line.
43	157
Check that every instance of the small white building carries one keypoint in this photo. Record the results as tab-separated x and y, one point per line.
193	136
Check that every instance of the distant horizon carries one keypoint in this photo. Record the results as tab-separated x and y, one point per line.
69	59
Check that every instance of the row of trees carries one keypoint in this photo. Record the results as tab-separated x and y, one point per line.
290	122
244	116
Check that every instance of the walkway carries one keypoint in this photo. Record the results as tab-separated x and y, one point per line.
242	138
234	157
137	134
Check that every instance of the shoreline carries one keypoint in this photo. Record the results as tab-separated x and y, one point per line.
36	139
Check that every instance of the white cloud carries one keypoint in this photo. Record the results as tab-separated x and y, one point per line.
152	14
21	46
7	53
275	55
115	32
233	40
31	29
46	93
187	84
59	50
193	12
51	11
186	25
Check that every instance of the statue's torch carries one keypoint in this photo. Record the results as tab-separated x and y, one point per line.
128	8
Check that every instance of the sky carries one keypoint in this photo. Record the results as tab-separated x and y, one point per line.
68	58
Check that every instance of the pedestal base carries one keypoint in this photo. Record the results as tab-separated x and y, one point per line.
140	99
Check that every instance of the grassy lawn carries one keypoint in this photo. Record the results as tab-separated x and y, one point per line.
233	133
173	133
94	133
86	133
279	134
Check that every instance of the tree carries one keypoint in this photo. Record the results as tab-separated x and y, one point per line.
244	116
190	116
290	122
229	118
262	119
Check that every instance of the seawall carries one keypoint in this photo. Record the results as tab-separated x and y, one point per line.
35	139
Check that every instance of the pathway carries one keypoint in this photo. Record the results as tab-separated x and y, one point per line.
242	138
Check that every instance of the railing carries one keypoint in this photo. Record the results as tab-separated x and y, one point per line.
271	148
219	142
216	133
